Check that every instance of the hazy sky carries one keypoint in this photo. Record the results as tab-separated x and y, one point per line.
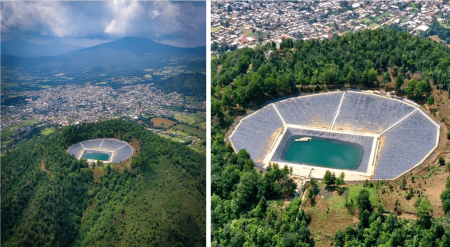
89	23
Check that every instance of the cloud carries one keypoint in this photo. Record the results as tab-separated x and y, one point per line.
160	20
124	12
47	18
154	14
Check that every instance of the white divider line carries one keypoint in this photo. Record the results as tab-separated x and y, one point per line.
82	145
101	144
279	114
398	122
338	111
121	147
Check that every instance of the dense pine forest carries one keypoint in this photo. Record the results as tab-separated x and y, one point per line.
51	199
249	77
245	79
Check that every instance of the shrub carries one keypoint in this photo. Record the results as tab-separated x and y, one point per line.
441	161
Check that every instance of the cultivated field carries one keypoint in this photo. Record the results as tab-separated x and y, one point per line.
160	122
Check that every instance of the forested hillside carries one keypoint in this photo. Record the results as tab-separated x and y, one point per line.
247	78
188	84
51	199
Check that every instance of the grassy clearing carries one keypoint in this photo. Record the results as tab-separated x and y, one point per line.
8	132
373	25
382	16
215	29
366	20
201	125
48	131
190	130
190	119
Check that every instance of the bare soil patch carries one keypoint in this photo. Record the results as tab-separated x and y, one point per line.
160	122
45	169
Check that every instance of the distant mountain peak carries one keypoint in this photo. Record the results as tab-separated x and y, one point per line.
23	48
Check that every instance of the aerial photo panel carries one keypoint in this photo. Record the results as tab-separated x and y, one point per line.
330	123
103	123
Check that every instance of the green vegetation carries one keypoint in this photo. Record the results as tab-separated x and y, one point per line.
247	78
441	31
243	212
26	123
51	199
143	57
366	20
191	118
445	197
191	130
48	131
188	84
382	16
215	29
379	229
361	57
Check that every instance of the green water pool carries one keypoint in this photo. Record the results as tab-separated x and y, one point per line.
324	152
97	156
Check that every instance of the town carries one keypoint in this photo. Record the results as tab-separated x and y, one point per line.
248	24
69	104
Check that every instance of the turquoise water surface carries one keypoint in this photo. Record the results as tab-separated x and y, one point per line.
324	152
97	156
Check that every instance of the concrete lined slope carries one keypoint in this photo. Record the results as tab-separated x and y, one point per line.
109	144
316	110
76	149
122	149
94	144
256	132
122	154
405	145
369	113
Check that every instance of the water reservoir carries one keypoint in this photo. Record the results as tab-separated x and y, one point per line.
323	152
96	156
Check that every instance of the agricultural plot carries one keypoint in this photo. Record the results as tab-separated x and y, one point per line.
247	31
165	72
191	119
215	29
190	130
160	122
8	132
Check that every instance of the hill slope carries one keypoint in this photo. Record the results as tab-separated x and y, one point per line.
22	48
50	198
381	59
124	57
188	84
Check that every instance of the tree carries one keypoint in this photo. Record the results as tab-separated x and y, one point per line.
399	83
387	77
424	211
340	180
430	100
441	161
445	197
403	185
329	178
363	200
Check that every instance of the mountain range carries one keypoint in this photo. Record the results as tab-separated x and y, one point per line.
22	48
127	56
